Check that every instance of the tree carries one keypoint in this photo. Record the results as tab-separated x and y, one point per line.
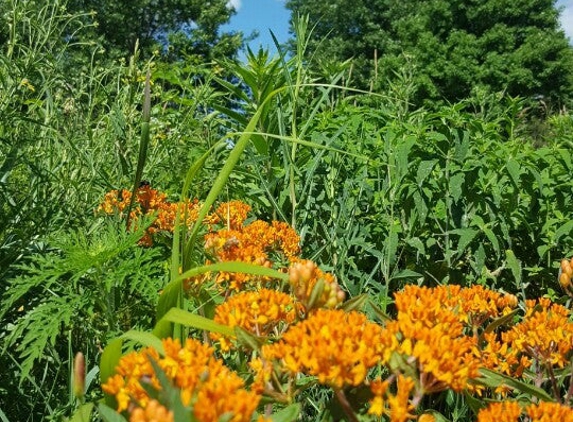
176	28
450	47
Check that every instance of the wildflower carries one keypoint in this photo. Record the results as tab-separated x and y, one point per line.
338	348
507	411
259	312
433	334
154	412
548	412
545	334
205	383
232	214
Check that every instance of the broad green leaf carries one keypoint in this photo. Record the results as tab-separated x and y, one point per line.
109	415
456	185
565	229
424	170
144	338
288	414
110	358
83	413
466	237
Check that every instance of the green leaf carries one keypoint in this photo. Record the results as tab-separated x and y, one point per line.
514	171
499	322
83	413
400	275
144	338
566	228
108	362
456	185
179	316
109	415
288	414
494	379
356	303
424	170
466	237
248	339
514	265
315	294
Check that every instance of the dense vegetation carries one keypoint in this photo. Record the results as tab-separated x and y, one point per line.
144	194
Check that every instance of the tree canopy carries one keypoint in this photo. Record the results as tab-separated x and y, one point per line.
450	47
176	28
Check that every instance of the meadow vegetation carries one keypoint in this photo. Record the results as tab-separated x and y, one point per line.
198	238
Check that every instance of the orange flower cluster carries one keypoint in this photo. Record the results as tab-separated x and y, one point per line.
429	328
510	411
260	312
545	334
148	202
205	382
258	243
337	347
304	278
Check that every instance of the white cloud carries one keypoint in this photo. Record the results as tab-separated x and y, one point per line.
235	4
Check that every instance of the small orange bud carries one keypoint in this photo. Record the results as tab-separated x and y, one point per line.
564	280
564	264
79	381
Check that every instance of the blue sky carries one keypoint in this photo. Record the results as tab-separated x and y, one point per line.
262	15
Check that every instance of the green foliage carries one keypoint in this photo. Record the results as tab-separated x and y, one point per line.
85	287
178	29
452	47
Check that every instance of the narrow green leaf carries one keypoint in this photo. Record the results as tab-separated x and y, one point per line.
109	361
564	229
404	274
498	322
466	237
356	303
514	171
514	265
316	293
179	316
456	185
494	379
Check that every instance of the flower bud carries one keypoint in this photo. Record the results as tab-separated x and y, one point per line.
79	381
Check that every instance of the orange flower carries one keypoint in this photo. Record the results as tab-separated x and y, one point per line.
205	383
507	411
260	312
154	412
545	334
232	214
337	347
549	412
398	405
427	329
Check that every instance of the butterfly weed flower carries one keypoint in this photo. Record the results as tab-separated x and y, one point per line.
511	411
260	312
154	412
230	214
337	347
212	389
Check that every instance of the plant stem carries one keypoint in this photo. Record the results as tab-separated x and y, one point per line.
341	397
